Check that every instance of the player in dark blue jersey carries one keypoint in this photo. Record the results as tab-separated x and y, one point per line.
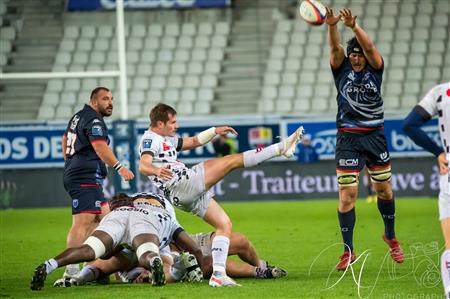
360	138
86	151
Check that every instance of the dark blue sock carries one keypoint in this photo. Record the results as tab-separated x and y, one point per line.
347	222
387	210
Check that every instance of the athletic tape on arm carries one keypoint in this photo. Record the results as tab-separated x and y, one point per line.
206	135
143	248
96	245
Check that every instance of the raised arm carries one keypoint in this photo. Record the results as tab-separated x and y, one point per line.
205	137
369	49
336	51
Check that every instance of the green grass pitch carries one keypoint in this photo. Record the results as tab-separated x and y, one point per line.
302	237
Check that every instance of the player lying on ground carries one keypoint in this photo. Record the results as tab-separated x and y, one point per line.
143	225
188	188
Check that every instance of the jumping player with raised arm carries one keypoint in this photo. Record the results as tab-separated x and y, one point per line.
360	138
188	188
436	102
85	150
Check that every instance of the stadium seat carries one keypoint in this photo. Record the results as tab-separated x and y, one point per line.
141	83
63	112
71	32
138	30
165	55
209	81
212	67
46	112
219	41
266	106
185	42
171	95
175	81
161	68
50	99
105	31
154	96
66	45
198	55
55	85
182	55
287	92
195	68
289	78
188	95
135	43
222	28
136	97
148	57
178	68
269	92
73	84
188	29
185	108
192	81
63	58
202	108
205	29
205	94
216	54
151	43
292	64
88	31
172	30
168	42
272	78
67	98
155	30
89	83
301	105
283	105
97	57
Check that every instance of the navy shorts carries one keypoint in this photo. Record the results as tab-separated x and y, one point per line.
354	150
86	198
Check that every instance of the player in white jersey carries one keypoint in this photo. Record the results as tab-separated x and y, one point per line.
436	103
143	225
188	188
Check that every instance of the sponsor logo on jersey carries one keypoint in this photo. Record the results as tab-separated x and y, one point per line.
165	147
75	203
96	121
97	131
348	162
384	156
147	143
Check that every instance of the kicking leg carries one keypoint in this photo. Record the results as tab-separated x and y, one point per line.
241	245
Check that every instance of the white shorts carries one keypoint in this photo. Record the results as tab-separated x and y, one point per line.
125	223
444	196
203	240
187	192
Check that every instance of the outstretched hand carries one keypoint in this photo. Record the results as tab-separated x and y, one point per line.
164	173
126	174
443	164
225	130
348	18
331	18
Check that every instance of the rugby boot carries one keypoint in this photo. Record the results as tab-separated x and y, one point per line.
156	268
290	143
395	250
219	279
40	274
193	271
345	261
274	272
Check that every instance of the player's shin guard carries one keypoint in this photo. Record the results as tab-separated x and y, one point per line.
445	272
347	223
219	248
254	157
387	211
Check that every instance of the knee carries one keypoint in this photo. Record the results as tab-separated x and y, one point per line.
225	226
348	196
241	242
385	193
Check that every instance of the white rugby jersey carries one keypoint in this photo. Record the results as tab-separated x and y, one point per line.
437	102
164	151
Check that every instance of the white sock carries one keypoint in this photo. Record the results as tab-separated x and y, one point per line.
445	272
254	157
51	265
88	273
219	248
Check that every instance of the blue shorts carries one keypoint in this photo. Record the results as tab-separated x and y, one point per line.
86	198
354	150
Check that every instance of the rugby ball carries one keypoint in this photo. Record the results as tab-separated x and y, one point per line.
313	12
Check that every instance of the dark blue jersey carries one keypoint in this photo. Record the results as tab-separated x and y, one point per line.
82	164
359	101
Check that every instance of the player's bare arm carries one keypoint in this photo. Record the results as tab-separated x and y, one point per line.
106	155
147	168
370	51
443	164
64	146
205	137
336	50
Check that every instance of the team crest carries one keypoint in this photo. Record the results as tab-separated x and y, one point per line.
75	203
97	131
98	203
147	143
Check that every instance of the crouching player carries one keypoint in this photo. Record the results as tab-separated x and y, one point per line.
143	225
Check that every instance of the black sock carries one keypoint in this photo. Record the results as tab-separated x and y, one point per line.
387	210
347	222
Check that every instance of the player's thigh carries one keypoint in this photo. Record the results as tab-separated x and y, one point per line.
444	197
216	169
349	160
115	226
